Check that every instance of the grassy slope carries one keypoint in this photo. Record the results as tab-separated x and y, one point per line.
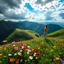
52	48
59	34
22	35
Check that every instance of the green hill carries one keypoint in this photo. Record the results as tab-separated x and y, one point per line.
19	34
59	34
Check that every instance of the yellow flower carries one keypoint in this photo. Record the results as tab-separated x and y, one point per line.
57	58
46	48
54	46
5	48
0	54
39	48
51	50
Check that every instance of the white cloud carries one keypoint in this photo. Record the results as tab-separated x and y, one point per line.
49	7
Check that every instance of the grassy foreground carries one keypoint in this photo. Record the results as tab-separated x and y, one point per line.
35	51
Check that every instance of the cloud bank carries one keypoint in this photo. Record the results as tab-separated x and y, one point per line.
32	10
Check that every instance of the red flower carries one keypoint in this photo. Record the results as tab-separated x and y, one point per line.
17	61
60	46
12	59
41	46
33	51
21	43
38	53
36	50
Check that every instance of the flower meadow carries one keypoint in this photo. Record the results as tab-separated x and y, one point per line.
20	53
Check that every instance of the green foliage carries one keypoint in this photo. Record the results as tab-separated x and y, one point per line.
59	33
22	35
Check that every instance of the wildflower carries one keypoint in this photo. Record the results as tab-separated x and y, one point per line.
22	47
4	48
21	43
57	58
54	60
60	46
34	54
0	54
54	46
15	54
51	50
28	52
4	57
62	61
41	47
4	41
17	61
15	48
33	51
21	60
12	59
38	52
30	57
19	53
37	57
9	54
14	45
28	46
46	48
13	42
20	50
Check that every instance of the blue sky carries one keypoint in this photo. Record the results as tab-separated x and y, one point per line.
32	10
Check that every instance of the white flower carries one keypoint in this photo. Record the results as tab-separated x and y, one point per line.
19	53
28	53
13	45
20	50
28	46
21	60
13	42
34	54
15	54
30	57
22	47
9	54
29	50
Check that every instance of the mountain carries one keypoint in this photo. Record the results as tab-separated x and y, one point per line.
7	27
59	33
19	34
52	22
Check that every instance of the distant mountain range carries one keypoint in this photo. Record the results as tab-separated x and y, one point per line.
52	22
6	28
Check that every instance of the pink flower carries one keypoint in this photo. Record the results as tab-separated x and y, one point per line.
23	46
15	48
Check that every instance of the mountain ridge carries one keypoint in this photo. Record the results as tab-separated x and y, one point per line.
6	28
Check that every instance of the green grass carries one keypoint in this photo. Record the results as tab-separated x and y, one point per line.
49	49
59	34
22	35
